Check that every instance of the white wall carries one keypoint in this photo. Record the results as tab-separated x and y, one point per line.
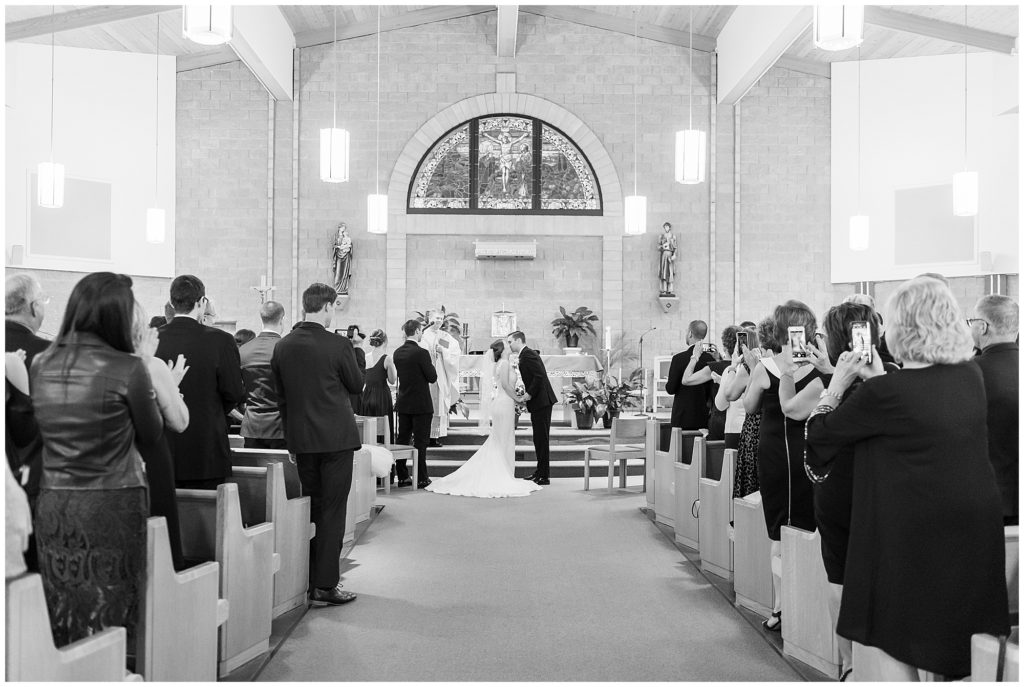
912	125
104	130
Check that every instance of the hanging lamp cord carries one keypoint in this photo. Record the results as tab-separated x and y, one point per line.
636	79
53	53
156	161
376	174
690	96
965	90
860	107
334	10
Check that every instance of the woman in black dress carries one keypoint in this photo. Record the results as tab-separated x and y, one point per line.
377	401
925	567
785	393
733	385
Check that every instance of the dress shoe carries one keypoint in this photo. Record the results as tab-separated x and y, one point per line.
424	484
331	597
407	482
435	443
542	481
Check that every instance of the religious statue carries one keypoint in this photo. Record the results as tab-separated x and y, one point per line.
505	145
667	267
342	256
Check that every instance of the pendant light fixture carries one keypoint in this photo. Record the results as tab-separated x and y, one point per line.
334	146
860	229
377	202
155	217
965	183
691	144
50	175
635	206
207	24
838	27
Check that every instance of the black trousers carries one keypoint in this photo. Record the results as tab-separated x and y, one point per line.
326	478
416	428
541	421
210	483
253	442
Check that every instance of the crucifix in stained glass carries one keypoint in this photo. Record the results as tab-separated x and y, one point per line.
505	163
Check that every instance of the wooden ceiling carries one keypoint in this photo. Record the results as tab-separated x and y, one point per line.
313	24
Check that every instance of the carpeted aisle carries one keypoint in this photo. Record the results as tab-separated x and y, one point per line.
561	585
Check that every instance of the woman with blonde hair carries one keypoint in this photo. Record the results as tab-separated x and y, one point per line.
922	488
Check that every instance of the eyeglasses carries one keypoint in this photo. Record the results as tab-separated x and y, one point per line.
972	320
45	300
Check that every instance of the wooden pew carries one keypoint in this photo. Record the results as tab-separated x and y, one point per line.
262	457
370	426
264	498
985	657
361	495
180	615
1012	535
808	630
688	472
212	529
236	441
752	572
654	447
31	655
715	510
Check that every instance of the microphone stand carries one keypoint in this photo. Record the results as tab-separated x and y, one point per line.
643	372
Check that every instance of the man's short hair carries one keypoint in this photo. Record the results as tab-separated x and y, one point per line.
316	296
518	336
1001	312
934	275
698	328
411	327
271	312
186	290
747	324
244	336
22	289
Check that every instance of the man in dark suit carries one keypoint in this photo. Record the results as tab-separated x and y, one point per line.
315	371
212	387
994	328
539	398
690	402
415	375
261	423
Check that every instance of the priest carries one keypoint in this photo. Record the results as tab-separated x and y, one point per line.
444	350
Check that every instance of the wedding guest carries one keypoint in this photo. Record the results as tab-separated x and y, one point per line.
316	374
380	377
244	336
157	321
155	454
18	514
729	397
922	487
261	423
690	402
414	406
357	338
785	392
994	329
713	373
93	499
202	457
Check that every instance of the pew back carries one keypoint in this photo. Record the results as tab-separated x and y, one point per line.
262	457
715	511
1012	535
808	629
752	571
985	658
687	489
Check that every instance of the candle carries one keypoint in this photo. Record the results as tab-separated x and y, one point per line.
465	328
263	281
608	338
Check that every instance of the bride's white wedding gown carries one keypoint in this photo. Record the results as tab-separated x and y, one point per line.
490	473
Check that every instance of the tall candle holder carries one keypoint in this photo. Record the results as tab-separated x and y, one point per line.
465	337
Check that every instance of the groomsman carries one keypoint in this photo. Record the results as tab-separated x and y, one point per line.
415	375
316	372
261	423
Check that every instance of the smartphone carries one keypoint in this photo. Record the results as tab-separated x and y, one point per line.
860	339
741	340
344	332
798	342
705	347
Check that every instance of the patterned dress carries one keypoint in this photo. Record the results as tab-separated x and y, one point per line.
745	481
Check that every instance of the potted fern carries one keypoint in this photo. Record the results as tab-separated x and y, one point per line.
570	326
589	399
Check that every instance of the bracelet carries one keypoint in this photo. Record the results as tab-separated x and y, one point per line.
746	367
826	392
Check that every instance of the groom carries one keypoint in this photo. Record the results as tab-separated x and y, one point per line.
539	398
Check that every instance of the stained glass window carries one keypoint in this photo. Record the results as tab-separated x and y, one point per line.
505	164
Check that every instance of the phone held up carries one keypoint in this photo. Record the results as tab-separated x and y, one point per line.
741	340
860	339
798	344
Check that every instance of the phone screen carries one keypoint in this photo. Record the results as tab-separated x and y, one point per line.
860	338
798	342
705	347
741	340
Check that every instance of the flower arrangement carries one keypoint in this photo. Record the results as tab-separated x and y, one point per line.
520	405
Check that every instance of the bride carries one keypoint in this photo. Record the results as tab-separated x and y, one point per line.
490	473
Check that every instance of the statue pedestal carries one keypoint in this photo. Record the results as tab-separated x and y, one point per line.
668	303
341	303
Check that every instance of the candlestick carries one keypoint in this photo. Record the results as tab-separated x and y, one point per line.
607	338
465	328
263	281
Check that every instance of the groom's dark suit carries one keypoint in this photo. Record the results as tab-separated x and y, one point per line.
414	407
542	397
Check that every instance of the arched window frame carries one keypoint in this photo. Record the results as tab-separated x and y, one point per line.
536	150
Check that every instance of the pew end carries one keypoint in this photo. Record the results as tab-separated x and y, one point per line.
688	472
31	654
1012	536
715	511
752	570
985	657
661	484
181	614
808	630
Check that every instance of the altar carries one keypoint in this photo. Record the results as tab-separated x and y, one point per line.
565	367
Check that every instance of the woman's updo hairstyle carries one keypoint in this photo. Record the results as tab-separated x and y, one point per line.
497	348
378	338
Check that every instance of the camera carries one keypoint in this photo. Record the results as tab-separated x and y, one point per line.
741	340
798	342
860	339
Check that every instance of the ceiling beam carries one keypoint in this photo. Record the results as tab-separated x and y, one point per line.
798	64
608	22
943	30
264	41
753	40
80	19
508	27
406	20
210	58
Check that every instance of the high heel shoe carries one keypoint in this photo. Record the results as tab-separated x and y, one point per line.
776	626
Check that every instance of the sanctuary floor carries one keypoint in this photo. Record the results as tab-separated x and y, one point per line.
562	585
